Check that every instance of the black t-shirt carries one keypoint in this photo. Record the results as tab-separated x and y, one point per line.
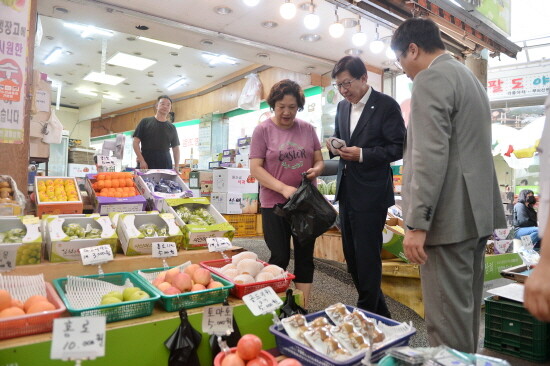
156	135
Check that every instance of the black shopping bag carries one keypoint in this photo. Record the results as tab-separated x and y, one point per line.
308	212
183	343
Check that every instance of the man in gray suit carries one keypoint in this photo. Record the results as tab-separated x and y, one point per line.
451	200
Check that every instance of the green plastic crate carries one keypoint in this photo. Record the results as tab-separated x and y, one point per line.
510	329
187	300
113	312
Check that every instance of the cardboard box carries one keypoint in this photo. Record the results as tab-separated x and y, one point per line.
392	237
30	245
214	164
80	170
62	248
57	207
496	263
237	180
244	141
16	206
134	242
235	203
154	198
105	205
195	235
229	152
202	180
185	173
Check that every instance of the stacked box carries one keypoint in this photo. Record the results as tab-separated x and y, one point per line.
136	242
106	205
81	156
201	180
510	329
23	231
235	203
154	199
61	247
195	234
234	191
57	207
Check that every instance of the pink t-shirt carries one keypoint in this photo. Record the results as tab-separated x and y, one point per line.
287	153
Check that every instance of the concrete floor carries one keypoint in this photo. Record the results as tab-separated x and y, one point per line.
333	284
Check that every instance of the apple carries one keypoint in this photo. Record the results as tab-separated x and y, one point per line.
202	276
171	274
163	286
190	269
116	294
214	284
110	300
197	287
128	292
183	282
172	291
138	295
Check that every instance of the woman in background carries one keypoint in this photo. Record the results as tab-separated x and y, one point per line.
525	217
282	148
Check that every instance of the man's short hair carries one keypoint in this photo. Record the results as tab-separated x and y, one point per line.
421	31
164	97
354	65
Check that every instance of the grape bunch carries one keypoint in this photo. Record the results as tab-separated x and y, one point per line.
28	254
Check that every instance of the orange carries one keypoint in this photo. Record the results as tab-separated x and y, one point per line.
121	182
40	306
101	176
31	300
5	299
129	182
114	183
108	183
16	303
11	312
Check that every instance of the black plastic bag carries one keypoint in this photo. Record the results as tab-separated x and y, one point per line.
308	212
231	339
290	307
183	344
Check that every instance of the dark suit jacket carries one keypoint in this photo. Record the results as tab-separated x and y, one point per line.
380	132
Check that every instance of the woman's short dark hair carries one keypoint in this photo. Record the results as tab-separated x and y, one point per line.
421	31
522	196
354	65
286	87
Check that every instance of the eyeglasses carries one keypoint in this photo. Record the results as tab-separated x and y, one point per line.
397	62
345	84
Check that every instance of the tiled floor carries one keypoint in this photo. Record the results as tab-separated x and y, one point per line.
333	284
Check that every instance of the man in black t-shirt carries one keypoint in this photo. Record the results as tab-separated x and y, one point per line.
157	135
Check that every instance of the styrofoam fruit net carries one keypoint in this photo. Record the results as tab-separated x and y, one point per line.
23	287
83	293
150	276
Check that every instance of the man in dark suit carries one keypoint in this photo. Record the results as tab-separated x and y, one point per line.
372	126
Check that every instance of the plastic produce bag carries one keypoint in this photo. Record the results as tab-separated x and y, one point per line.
251	96
183	344
308	212
290	307
52	130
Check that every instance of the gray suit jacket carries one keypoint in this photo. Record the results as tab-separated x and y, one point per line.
449	182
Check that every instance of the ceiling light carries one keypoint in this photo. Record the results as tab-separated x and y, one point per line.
52	56
390	54
269	24
130	61
167	44
353	51
310	37
223	10
88	30
336	30
287	10
207	42
311	20
87	92
349	22
176	84
251	2
103	78
377	45
360	38
214	59
111	97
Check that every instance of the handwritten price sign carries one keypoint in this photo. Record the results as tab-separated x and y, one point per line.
164	249
78	338
263	301
96	255
8	254
217	320
218	244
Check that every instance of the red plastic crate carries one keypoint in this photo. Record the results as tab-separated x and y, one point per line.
23	325
239	291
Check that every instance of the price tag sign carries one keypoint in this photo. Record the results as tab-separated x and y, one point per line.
263	301
78	338
164	249
8	253
217	320
527	242
218	244
96	255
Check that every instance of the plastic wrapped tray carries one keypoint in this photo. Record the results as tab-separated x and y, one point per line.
279	285
310	357
185	300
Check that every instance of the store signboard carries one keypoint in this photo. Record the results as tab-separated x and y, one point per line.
495	13
524	83
14	32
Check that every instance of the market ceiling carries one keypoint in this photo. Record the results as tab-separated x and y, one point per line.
251	37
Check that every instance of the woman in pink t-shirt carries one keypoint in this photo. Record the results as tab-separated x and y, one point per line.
283	148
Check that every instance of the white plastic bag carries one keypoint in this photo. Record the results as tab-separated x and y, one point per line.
251	96
52	130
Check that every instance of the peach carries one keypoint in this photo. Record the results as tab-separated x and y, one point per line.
202	276
172	291
11	312
5	300
40	306
31	300
190	269
197	287
183	282
163	286
171	274
214	284
157	281
16	303
161	276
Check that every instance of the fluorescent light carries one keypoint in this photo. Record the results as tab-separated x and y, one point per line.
87	92
167	44
88	30
52	56
214	59
176	84
103	78
130	61
111	96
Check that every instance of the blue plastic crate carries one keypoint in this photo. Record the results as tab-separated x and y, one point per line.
310	357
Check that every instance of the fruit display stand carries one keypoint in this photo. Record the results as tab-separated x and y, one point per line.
139	341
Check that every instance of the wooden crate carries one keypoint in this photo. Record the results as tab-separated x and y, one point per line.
401	282
329	246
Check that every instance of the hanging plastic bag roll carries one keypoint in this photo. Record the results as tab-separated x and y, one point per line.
251	96
308	212
53	130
